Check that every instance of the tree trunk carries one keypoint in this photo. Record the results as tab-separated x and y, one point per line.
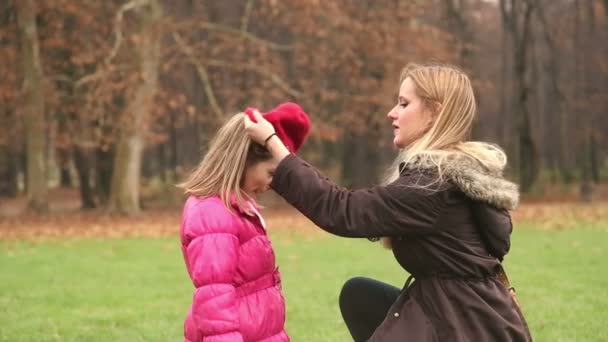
586	39
517	20
173	160
103	173
360	158
353	160
505	125
162	162
528	150
594	162
8	172
124	194
555	101
33	107
63	159
82	161
150	166
459	24
9	158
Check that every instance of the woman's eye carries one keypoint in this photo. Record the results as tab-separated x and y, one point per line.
403	104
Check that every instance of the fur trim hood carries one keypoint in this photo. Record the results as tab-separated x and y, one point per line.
471	177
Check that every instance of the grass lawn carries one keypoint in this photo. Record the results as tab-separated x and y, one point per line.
137	289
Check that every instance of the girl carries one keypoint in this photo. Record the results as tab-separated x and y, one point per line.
227	252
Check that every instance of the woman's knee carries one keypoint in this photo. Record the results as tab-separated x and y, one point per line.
353	288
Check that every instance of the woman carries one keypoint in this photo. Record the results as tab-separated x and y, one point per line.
443	212
227	252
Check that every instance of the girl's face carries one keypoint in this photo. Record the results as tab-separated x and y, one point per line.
259	176
410	118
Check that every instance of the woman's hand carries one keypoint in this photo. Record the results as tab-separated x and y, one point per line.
258	131
264	134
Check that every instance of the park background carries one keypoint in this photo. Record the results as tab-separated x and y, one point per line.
106	105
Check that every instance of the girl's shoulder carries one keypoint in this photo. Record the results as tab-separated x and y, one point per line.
208	215
198	203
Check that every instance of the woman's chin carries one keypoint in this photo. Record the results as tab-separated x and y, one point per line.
398	144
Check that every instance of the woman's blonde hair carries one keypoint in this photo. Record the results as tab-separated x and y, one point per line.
221	171
447	93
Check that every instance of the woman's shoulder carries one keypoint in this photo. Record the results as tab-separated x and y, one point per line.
463	174
424	182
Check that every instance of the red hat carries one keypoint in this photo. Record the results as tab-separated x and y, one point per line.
290	123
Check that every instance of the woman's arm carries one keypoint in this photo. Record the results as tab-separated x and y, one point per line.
392	210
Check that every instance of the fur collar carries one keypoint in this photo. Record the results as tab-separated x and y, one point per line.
472	178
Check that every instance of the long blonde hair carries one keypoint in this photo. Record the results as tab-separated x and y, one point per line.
448	94
221	171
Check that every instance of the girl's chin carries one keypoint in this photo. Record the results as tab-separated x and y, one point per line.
259	191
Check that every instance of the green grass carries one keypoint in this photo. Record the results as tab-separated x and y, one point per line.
137	289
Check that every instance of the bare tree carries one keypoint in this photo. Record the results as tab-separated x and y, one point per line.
458	24
33	106
124	194
516	15
586	69
556	100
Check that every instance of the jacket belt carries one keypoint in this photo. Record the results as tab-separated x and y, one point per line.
266	281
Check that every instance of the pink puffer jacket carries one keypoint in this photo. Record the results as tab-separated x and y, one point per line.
232	265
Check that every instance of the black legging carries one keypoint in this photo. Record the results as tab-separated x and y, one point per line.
364	303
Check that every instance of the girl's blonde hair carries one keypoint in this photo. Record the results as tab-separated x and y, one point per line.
221	171
447	93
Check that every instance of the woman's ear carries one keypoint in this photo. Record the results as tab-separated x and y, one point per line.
432	109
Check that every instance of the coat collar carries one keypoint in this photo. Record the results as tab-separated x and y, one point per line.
248	201
253	212
471	177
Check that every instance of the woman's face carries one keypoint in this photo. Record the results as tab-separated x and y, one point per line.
410	117
259	176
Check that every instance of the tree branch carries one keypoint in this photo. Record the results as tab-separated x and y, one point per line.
200	65
133	4
239	33
245	19
202	73
276	79
117	26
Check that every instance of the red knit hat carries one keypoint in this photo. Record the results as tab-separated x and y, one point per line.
290	123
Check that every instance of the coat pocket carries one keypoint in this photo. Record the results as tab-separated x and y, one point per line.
405	321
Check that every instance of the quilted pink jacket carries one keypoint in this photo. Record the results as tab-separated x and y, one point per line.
232	265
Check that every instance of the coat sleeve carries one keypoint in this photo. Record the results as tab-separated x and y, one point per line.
390	210
212	257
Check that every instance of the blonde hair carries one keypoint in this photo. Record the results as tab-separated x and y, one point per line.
447	93
221	171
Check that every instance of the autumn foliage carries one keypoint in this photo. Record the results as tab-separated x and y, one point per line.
133	90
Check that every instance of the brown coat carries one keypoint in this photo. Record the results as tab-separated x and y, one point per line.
449	237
